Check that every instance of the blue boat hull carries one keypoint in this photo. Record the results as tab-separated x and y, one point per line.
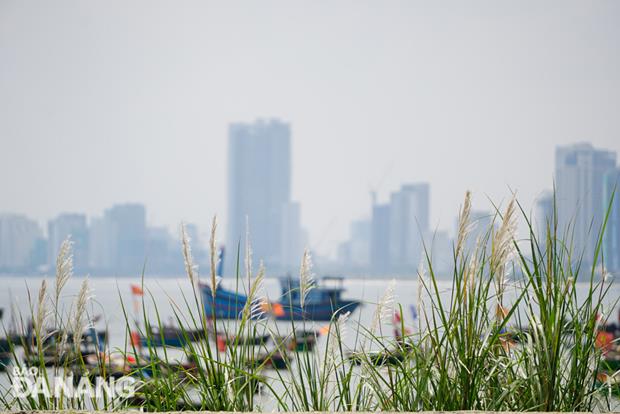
175	342
317	312
226	305
229	305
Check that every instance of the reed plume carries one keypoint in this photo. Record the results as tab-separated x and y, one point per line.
254	304
469	276
384	310
465	224
419	301
81	318
42	312
306	277
64	267
214	258
190	268
502	249
336	337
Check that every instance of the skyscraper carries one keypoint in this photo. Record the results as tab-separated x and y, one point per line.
118	240
129	222
102	251
355	253
441	249
611	240
59	229
409	224
580	172
398	230
259	190
18	239
163	254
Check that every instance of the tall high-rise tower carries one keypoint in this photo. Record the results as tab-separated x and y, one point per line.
18	239
118	240
580	176
409	224
397	230
59	229
611	239
259	190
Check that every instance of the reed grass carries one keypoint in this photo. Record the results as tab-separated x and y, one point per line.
511	334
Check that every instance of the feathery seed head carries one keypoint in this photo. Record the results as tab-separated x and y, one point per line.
42	311
337	334
256	298
465	224
64	266
420	298
470	272
215	280
502	247
420	291
306	277
80	319
190	268
384	309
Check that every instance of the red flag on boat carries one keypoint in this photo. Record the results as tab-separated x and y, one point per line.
136	290
396	320
135	338
278	310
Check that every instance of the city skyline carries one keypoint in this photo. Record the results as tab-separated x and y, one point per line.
105	104
389	242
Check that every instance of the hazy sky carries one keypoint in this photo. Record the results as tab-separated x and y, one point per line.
114	101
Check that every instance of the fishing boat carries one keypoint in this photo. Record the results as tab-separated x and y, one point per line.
5	349
5	354
60	347
226	304
272	360
386	357
168	335
320	304
251	340
300	341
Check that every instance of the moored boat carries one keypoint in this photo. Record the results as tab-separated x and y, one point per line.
273	360
60	347
5	354
166	336
321	303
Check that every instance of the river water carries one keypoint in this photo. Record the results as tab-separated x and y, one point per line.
168	294
108	295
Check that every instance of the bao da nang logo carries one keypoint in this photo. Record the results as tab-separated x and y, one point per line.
29	382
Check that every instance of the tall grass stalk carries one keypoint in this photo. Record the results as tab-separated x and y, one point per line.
511	333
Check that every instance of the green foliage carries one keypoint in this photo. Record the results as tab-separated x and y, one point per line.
526	342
